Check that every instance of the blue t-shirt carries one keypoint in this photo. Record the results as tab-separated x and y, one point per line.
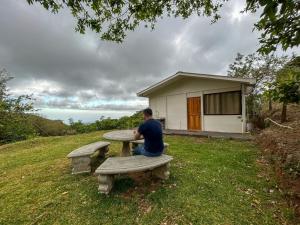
152	132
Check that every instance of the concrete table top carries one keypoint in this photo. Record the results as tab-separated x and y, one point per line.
120	135
119	165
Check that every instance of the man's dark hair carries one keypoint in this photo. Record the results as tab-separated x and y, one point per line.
147	112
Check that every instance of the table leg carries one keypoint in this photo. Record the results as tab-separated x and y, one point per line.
125	149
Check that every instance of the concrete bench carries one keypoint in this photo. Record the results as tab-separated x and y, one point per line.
159	167
137	142
81	157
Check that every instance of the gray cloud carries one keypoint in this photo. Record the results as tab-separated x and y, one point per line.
64	69
63	104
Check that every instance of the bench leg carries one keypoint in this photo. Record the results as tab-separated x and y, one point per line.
81	165
162	172
125	149
105	183
103	151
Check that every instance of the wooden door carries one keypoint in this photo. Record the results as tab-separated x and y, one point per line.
194	113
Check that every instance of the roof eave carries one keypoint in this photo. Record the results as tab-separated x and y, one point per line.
149	90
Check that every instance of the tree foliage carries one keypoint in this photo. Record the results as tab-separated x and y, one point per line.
125	122
262	68
279	21
14	123
287	91
286	88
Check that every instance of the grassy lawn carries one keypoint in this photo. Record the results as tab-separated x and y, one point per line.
211	182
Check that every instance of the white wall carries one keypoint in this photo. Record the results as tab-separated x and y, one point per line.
159	106
170	102
223	123
176	112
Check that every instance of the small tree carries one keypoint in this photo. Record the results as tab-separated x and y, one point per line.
14	123
287	92
263	68
4	78
286	89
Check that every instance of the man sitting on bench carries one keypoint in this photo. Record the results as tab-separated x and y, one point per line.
151	130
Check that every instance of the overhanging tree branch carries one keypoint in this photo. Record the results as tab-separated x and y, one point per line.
112	19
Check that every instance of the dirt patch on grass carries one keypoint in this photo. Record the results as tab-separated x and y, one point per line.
143	184
281	147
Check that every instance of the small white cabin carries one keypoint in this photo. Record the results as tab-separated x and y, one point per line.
200	102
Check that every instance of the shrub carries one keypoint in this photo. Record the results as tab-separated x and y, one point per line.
15	127
125	122
46	127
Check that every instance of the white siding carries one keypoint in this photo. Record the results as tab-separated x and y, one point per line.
223	123
176	112
159	106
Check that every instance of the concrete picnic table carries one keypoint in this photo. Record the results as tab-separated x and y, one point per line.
121	135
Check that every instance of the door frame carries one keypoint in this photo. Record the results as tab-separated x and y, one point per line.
200	115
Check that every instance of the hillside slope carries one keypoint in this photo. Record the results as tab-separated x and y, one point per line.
47	127
281	146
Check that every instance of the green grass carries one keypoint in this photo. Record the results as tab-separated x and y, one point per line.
211	182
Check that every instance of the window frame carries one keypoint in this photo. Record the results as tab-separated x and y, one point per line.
220	114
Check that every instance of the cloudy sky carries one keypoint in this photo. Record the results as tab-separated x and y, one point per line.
80	76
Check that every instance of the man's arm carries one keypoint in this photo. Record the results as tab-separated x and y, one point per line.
137	135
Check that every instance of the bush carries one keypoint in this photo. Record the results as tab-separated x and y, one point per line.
125	122
15	127
46	127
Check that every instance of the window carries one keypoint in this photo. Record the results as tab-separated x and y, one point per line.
224	103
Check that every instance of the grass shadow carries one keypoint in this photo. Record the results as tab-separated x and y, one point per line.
123	184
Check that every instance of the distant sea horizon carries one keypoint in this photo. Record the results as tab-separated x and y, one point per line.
86	116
